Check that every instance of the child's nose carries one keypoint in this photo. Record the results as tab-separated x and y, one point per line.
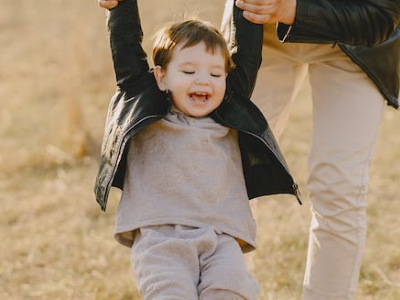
202	79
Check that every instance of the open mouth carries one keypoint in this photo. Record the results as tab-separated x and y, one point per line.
200	97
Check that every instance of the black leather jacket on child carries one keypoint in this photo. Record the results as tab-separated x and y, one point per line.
138	102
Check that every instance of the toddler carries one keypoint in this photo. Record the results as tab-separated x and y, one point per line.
188	149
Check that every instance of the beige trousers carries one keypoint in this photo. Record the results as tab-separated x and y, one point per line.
175	262
347	110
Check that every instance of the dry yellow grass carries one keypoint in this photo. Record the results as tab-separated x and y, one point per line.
55	83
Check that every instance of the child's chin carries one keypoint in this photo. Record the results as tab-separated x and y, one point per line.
198	114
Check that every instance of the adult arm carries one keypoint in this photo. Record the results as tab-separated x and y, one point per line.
354	22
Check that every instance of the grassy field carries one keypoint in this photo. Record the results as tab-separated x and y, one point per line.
55	83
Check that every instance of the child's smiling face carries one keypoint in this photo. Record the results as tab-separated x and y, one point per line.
196	79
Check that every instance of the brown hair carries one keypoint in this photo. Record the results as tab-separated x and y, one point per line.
189	33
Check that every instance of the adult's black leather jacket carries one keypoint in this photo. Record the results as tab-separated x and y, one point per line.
367	31
138	102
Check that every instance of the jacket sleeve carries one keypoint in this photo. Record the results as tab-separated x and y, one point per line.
355	22
126	35
245	44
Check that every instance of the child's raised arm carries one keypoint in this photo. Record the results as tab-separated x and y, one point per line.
129	58
245	44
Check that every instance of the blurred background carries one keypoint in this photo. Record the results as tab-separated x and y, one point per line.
56	80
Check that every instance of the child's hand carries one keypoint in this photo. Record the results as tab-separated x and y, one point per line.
109	4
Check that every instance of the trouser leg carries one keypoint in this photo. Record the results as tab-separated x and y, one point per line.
174	262
279	79
347	111
165	263
224	275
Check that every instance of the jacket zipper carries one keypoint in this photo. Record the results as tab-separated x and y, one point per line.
295	187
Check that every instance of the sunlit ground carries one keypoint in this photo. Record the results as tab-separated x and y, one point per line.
55	83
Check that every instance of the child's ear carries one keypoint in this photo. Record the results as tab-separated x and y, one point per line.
159	74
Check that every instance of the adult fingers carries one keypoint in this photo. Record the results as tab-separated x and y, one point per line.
254	6
258	18
108	4
268	11
257	11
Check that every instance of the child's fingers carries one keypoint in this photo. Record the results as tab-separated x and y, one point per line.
109	4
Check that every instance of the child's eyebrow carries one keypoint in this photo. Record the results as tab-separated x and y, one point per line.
193	63
188	63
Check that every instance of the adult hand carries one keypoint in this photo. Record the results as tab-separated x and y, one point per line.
268	11
109	4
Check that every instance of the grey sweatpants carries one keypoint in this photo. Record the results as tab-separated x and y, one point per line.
174	262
